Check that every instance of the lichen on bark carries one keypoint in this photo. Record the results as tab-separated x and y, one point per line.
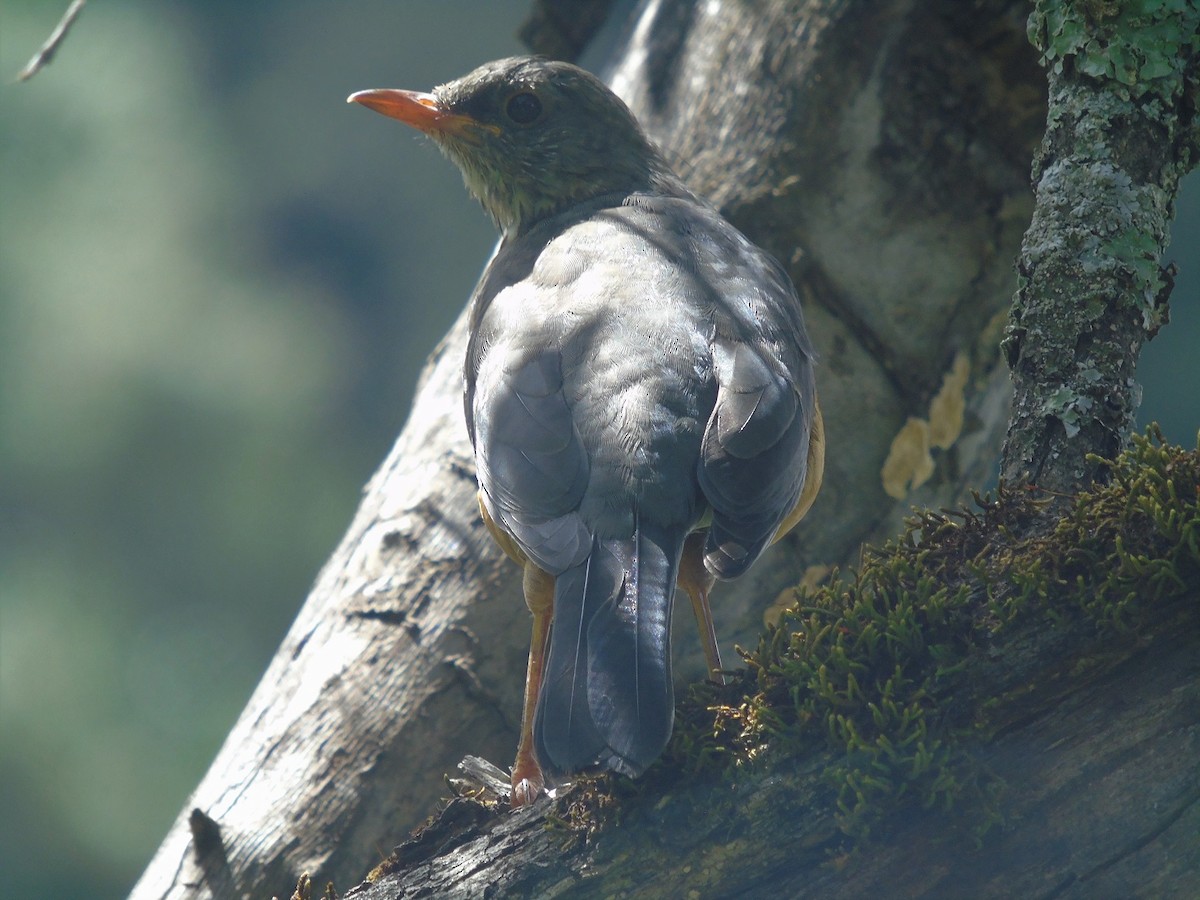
1120	133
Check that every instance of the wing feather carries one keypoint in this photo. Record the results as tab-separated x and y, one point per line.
532	466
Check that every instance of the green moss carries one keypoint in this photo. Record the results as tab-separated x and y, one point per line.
304	889
885	671
874	694
1128	548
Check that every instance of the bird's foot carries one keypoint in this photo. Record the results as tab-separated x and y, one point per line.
527	785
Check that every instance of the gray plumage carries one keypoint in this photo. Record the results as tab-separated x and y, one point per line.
636	369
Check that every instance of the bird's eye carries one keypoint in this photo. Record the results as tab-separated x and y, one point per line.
523	108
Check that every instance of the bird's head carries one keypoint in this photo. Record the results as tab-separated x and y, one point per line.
532	137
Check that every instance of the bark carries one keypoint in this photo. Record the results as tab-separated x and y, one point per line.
880	150
1102	800
1121	133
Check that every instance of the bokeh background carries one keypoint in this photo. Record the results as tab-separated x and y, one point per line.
217	285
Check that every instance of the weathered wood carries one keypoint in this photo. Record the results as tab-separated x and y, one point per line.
881	150
1102	799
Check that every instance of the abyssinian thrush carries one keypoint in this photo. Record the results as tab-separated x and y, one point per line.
639	393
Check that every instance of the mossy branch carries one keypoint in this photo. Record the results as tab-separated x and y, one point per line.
878	719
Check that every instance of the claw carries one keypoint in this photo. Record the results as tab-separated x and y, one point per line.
526	787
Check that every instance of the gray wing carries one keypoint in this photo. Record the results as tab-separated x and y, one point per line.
753	458
532	467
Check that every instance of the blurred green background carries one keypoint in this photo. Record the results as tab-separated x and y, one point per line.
217	284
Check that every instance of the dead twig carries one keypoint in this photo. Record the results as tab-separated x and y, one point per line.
43	57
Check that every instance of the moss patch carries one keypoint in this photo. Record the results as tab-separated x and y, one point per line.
877	695
873	694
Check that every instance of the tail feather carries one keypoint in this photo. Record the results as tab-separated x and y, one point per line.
606	696
565	738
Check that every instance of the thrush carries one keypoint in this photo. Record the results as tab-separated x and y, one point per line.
639	393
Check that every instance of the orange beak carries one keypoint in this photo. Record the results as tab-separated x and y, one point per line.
421	111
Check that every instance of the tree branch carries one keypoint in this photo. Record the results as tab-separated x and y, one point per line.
1120	135
45	54
1091	812
880	150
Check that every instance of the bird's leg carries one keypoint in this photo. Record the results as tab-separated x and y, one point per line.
697	582
527	780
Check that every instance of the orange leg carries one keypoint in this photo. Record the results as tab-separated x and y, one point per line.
527	780
697	582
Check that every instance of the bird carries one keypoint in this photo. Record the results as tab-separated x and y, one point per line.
639	391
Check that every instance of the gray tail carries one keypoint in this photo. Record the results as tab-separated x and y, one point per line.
606	697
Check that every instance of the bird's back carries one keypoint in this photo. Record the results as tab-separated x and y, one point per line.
633	367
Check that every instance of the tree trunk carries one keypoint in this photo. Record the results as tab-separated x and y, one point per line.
880	149
1122	133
